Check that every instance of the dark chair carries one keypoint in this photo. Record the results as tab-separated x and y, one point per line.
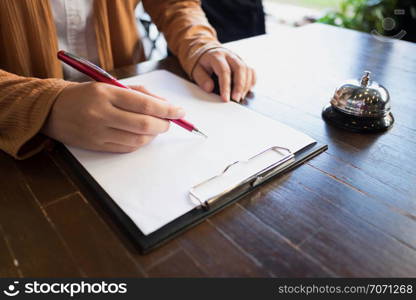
235	19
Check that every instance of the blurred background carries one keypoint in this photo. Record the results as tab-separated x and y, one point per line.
237	19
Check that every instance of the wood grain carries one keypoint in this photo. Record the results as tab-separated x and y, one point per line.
369	240
267	247
346	250
399	225
211	249
177	265
57	184
8	264
92	244
35	243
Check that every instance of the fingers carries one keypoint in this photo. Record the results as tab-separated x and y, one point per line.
203	79
121	137
239	77
115	148
252	81
137	123
244	78
142	103
228	67
142	89
223	71
248	83
254	78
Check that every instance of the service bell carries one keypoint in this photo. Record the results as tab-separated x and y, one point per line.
360	106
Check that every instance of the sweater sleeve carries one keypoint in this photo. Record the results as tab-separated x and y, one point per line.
186	29
24	107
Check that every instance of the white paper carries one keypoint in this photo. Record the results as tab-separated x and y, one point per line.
151	185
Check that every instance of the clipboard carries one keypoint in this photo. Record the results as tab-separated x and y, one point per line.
206	207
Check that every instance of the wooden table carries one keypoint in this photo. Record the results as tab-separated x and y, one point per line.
351	211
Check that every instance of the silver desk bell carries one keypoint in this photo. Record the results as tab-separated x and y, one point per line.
360	106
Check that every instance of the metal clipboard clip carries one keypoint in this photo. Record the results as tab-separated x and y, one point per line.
252	171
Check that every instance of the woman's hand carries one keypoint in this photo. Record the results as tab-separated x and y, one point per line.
231	72
102	117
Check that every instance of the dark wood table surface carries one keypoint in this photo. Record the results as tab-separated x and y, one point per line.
351	211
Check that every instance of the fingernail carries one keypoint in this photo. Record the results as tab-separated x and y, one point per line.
236	96
244	96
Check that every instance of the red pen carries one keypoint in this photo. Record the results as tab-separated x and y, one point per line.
98	74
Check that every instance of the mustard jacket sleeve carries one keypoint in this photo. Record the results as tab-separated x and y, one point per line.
24	107
185	27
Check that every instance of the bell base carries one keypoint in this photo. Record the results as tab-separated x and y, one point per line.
356	124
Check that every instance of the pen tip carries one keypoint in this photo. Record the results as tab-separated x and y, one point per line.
200	133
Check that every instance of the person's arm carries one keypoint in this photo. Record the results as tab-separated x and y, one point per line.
90	115
191	38
24	106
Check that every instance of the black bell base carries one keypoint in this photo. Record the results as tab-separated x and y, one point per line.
356	124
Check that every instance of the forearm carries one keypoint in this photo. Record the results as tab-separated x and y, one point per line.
24	107
185	27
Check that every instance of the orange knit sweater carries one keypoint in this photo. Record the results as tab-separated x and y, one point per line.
30	74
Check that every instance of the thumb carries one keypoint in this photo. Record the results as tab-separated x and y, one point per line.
143	90
203	79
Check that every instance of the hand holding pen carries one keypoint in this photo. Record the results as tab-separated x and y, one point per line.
103	117
88	68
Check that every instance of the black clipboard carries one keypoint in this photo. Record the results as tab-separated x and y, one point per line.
146	243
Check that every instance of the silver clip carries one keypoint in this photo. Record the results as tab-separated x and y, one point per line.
256	178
